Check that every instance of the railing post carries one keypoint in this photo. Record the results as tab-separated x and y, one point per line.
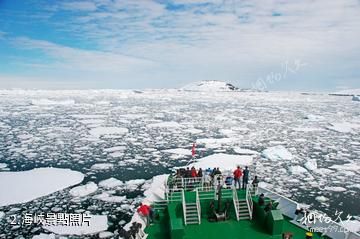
184	205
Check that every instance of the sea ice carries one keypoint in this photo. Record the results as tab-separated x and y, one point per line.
102	166
277	153
110	183
35	183
84	190
98	223
106	197
165	125
97	132
224	161
178	151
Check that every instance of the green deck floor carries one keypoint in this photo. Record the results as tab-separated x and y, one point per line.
230	229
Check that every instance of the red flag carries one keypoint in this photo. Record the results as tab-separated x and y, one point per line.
193	151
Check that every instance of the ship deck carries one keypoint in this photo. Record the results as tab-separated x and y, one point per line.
230	229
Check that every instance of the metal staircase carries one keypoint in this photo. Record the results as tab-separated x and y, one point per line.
243	210
191	214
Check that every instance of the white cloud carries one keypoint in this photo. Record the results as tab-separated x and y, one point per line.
79	6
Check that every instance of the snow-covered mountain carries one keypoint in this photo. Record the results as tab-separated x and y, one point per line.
210	85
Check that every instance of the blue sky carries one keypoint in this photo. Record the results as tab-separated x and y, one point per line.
308	45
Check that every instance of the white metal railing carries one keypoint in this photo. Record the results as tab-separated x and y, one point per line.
198	206
187	183
288	207
171	195
184	205
236	205
249	201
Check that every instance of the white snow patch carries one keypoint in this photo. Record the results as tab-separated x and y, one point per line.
44	236
98	223
115	149
3	165
209	86
277	153
84	190
105	234
35	183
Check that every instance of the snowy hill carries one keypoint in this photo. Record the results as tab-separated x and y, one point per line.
212	86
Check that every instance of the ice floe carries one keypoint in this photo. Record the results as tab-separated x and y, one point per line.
165	125
224	161
52	102
109	198
102	166
179	151
84	190
344	127
245	151
25	186
110	183
277	153
98	223
100	131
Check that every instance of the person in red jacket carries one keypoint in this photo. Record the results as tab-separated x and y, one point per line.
193	172
237	176
146	212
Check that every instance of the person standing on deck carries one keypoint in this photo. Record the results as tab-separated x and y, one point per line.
237	176
245	180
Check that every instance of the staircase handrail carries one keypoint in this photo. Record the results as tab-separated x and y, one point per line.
236	201
249	201
184	205
198	205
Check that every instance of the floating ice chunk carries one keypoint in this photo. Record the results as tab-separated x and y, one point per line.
102	166
335	189
84	190
108	198
98	223
193	131
245	151
179	151
356	98
106	234
115	149
35	183
321	199
297	170
277	153
351	225
311	164
312	117
3	165
216	142
116	154
134	184
52	102
2	214
110	183
307	129
348	166
44	236
224	161
344	127
169	124
97	132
